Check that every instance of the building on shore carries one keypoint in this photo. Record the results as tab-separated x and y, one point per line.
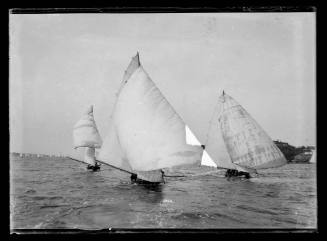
288	150
294	154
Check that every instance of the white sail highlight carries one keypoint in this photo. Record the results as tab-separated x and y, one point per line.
146	133
85	133
192	140
247	143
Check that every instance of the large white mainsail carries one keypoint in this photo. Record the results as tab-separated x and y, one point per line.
192	140
86	134
248	145
146	133
111	152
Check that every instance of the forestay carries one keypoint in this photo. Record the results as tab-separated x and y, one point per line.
146	133
248	145
111	152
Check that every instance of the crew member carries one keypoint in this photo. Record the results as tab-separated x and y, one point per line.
94	168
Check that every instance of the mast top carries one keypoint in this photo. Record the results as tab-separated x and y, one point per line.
137	56
89	109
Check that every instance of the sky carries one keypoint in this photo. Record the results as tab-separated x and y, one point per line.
62	63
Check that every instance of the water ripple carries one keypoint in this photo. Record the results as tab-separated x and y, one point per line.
48	193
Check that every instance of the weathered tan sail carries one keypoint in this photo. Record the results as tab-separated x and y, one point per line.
248	145
215	146
146	133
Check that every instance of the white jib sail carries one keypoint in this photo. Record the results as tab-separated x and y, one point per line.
248	145
192	140
146	130
85	133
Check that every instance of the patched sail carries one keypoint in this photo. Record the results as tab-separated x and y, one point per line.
85	132
247	143
145	129
192	140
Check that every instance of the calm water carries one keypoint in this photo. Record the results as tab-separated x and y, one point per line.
59	193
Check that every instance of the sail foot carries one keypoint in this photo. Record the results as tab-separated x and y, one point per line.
273	163
151	176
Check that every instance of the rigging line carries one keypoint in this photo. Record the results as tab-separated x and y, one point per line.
116	97
74	159
206	173
122	84
174	176
200	174
210	124
114	167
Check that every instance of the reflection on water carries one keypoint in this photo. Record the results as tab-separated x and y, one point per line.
48	193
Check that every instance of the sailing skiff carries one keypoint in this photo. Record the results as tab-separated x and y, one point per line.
86	135
146	134
247	147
